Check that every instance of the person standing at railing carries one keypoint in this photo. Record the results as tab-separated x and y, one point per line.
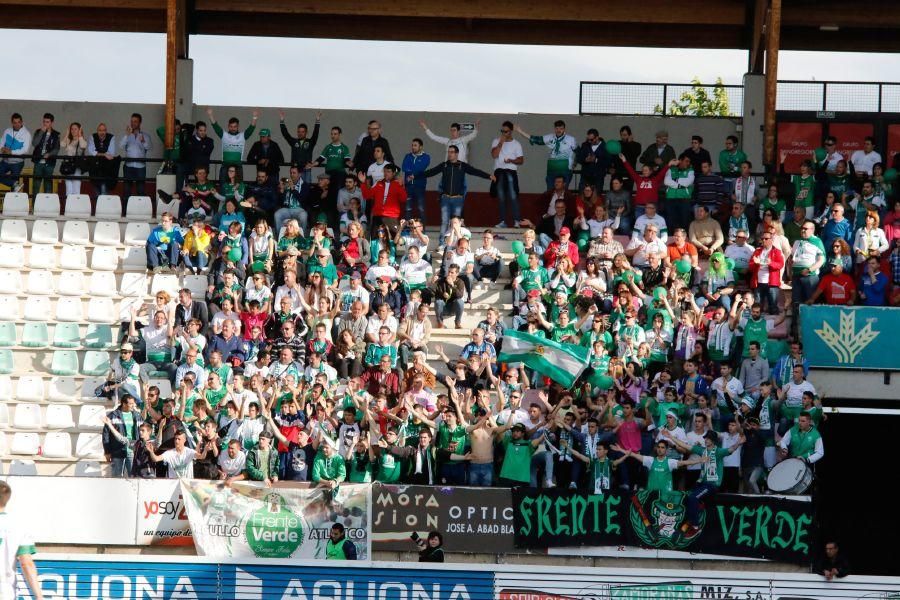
594	160
562	148
74	145
508	156
266	154
659	154
233	142
43	155
15	144
631	150
302	147
105	170
460	141
697	153
679	183
730	160
137	146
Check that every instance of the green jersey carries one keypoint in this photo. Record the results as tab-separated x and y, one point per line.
175	152
680	192
804	190
756	331
730	163
517	460
803	443
214	397
588	339
660	477
534	279
447	436
390	467
360	468
233	144
335	157
328	469
601	476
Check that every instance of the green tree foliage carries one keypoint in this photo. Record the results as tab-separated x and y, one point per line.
698	102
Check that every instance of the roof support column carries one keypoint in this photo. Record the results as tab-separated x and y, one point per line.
176	47
773	41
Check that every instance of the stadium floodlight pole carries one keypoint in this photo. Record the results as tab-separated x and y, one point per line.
172	16
773	40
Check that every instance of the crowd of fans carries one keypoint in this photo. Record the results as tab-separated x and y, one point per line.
309	358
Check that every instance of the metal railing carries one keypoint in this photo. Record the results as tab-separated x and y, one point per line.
666	99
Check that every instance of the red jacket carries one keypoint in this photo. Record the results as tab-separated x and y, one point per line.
646	189
553	249
389	207
776	261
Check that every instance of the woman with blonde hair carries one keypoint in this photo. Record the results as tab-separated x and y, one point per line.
74	145
870	240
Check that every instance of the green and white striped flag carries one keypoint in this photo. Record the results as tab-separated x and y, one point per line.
562	363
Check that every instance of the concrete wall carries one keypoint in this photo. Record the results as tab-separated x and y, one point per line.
398	127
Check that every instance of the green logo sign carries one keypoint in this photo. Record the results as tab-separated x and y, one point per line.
656	519
273	531
855	337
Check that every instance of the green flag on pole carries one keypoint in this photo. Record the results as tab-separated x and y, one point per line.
563	363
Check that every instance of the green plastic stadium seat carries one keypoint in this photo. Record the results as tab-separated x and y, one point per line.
35	335
6	361
96	363
99	335
67	335
65	363
7	334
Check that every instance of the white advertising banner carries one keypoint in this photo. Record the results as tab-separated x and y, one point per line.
161	515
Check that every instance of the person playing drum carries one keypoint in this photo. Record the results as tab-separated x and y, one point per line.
803	441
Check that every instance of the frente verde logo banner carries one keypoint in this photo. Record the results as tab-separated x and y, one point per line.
731	524
850	337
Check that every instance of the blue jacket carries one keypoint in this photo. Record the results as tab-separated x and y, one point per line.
161	238
228	348
834	230
415	166
111	444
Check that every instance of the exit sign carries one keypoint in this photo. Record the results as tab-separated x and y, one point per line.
824	114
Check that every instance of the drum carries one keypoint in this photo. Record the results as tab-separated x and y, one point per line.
791	477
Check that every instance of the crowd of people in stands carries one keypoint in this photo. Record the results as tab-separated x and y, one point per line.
308	359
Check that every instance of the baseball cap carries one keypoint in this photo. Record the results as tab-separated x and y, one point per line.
835	262
127	346
534	293
385	279
518	426
264	132
355	275
564	230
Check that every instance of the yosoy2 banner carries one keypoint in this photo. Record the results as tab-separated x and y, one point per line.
245	521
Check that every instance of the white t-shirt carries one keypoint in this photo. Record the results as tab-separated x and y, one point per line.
156	338
641	223
762	275
244	399
793	393
740	255
733	386
232	466
729	440
511	150
695	439
180	465
13	543
863	163
376	171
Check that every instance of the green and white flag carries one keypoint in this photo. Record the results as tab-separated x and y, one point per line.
562	363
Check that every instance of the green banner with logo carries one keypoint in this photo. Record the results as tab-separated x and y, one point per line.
730	524
850	337
282	522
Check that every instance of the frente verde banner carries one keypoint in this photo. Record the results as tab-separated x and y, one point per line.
280	522
850	337
731	524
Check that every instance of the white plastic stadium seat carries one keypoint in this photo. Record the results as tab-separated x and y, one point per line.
30	388
57	444
125	307
78	207
25	443
135	259
4	414
91	416
12	255
42	256
45	231
6	388
89	445
15	204
59	416
70	283
139	208
68	308
37	308
4	448
134	285
164	385
107	234
22	468
14	231
109	207
196	284
88	386
73	257
136	234
101	310
63	389
103	283
10	282
169	207
88	468
46	205
28	416
76	232
164	282
40	282
9	308
105	258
